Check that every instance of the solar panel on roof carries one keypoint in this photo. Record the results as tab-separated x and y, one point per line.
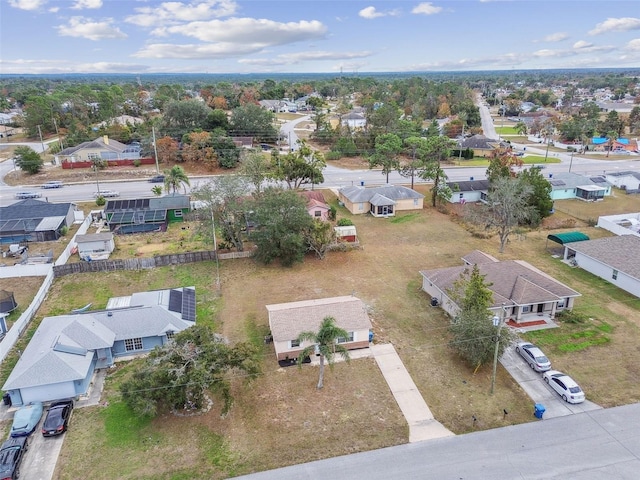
557	183
189	305
598	179
175	301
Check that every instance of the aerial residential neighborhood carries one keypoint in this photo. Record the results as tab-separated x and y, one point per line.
283	273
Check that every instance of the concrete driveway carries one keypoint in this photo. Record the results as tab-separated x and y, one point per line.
539	392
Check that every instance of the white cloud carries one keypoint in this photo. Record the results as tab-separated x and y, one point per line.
249	31
90	29
82	4
191	51
426	8
582	44
27	4
556	37
172	13
299	57
370	13
633	45
616	25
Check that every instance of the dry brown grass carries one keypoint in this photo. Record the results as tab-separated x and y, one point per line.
281	419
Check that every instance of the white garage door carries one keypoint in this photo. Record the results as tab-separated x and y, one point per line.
48	392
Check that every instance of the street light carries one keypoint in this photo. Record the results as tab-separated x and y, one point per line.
498	321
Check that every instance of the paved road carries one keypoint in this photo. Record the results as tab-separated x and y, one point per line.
601	444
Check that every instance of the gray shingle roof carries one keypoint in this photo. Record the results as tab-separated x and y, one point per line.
357	194
568	180
33	208
94	237
621	252
513	282
113	146
288	320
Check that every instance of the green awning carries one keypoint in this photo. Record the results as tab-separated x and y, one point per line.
568	237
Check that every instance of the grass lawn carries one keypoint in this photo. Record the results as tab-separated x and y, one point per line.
280	419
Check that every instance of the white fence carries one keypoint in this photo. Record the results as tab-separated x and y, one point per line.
16	330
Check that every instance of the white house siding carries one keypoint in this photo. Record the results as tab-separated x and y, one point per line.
466	197
629	182
444	301
623	281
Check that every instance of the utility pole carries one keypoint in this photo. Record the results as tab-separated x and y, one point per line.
498	321
215	248
571	161
155	149
41	141
55	124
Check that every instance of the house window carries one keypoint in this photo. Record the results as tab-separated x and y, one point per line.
415	202
317	213
361	206
93	156
561	303
133	344
348	339
614	275
177	213
526	308
170	334
295	343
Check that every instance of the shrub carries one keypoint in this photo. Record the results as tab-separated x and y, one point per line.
100	201
64	230
345	222
333	156
137	163
332	213
571	316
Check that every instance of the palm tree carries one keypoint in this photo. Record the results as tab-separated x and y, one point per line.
521	128
175	178
325	343
611	138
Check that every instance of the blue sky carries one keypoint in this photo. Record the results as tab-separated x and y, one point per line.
235	36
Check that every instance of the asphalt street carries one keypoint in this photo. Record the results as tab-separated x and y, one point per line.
601	444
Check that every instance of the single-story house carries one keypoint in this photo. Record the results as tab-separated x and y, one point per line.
567	185
480	145
34	220
316	204
524	292
613	259
243	142
381	201
65	350
122	120
95	246
102	148
468	191
146	214
628	181
622	224
353	120
288	320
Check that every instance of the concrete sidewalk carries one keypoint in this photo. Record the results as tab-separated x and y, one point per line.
422	425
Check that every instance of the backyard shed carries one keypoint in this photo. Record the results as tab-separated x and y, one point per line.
94	245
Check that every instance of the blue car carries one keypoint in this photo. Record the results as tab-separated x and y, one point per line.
26	419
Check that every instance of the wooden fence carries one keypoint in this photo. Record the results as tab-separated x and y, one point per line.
144	263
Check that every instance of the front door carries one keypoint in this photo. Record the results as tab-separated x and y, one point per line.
540	307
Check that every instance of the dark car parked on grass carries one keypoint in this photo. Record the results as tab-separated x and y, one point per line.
57	419
11	453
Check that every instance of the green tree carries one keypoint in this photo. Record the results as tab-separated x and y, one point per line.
256	168
179	374
506	207
520	128
174	179
319	237
540	197
304	165
438	149
325	342
417	150
28	160
613	123
216	118
227	151
282	220
473	331
225	198
253	121
387	148
183	116
501	164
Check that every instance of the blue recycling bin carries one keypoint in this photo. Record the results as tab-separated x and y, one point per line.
538	410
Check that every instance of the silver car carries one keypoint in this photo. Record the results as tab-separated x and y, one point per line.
106	194
23	195
533	356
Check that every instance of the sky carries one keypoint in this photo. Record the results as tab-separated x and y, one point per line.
308	36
